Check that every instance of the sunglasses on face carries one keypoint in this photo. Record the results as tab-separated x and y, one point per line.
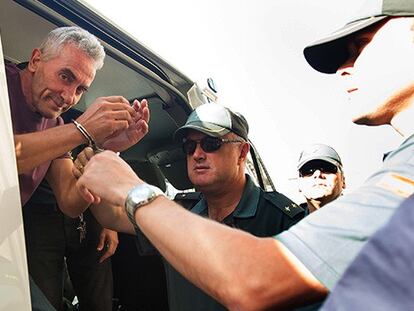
322	166
208	144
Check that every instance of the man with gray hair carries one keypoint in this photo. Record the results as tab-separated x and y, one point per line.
52	82
321	177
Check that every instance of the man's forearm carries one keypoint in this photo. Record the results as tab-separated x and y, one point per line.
36	148
63	183
70	202
239	270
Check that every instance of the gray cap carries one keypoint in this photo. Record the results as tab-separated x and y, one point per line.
214	120
319	152
329	53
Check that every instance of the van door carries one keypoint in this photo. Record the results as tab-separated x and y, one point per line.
14	286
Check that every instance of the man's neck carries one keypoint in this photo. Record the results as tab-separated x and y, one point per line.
313	205
403	121
222	203
26	84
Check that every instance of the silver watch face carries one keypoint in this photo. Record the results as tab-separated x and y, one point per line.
141	195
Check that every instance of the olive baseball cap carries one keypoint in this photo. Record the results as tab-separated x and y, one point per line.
319	152
214	120
329	53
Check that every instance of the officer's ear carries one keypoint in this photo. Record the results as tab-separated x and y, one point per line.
244	150
343	181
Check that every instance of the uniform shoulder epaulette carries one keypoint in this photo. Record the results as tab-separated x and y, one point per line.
286	205
187	199
188	196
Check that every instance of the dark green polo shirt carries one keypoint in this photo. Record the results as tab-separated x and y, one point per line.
258	212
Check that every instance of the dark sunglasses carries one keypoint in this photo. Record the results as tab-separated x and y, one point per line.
324	167
208	144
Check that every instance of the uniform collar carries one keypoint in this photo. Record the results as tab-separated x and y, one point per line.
246	208
405	144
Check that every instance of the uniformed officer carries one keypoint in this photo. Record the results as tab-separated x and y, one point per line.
301	265
321	176
215	140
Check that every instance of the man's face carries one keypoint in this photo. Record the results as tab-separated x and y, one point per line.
320	180
58	83
217	169
379	72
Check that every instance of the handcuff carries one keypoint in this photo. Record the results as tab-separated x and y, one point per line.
91	142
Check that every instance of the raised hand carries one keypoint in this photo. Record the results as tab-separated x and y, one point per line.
124	139
108	116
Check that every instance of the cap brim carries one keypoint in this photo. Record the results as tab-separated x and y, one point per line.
328	54
327	159
209	129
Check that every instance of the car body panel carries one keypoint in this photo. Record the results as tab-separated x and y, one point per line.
14	288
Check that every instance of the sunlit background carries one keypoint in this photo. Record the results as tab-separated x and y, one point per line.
253	51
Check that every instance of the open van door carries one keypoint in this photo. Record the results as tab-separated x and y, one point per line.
14	286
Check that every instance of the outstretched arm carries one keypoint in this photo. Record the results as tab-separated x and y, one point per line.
36	148
105	118
63	184
241	271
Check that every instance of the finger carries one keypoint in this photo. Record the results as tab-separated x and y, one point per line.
105	256
81	160
96	199
101	242
144	103
120	115
141	109
76	172
119	125
77	168
120	106
112	247
89	153
145	114
142	126
136	105
117	99
87	195
110	250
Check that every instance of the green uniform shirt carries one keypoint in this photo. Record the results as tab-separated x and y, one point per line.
258	212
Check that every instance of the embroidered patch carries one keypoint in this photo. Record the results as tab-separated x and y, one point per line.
398	184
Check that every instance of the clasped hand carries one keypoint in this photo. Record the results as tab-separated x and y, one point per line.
114	124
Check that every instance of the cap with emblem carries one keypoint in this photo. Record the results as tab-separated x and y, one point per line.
214	120
319	152
329	53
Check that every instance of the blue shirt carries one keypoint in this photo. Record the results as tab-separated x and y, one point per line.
381	277
328	240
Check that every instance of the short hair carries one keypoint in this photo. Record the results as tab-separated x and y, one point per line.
82	39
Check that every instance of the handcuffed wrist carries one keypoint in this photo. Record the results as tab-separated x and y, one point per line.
91	142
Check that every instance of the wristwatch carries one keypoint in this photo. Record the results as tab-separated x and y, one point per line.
139	196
